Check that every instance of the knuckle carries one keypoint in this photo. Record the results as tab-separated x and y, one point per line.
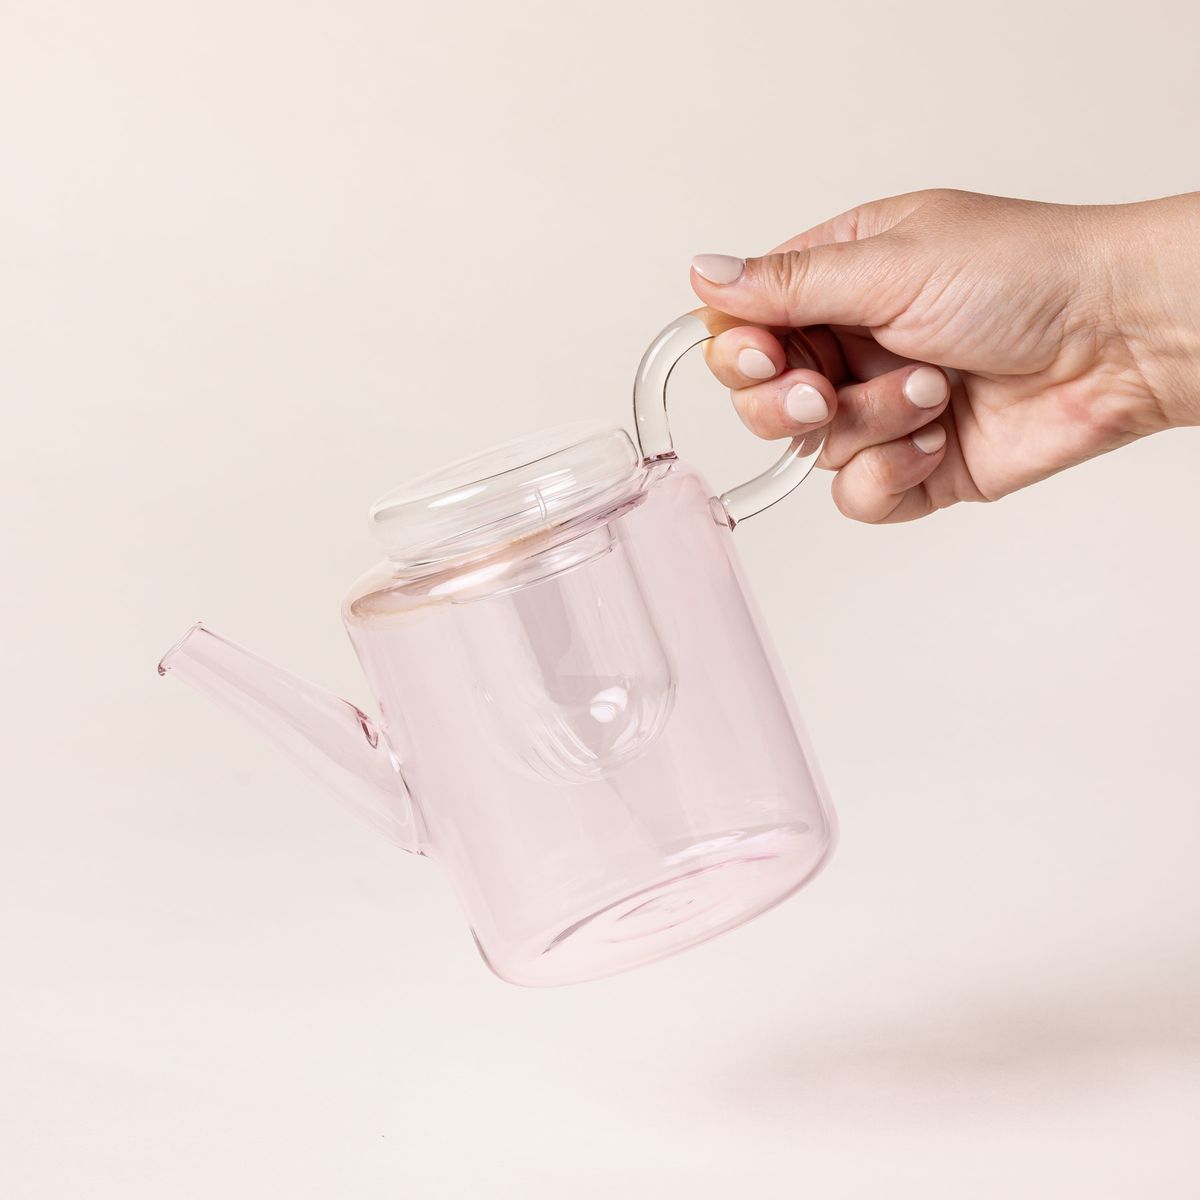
875	471
867	403
944	195
784	275
946	200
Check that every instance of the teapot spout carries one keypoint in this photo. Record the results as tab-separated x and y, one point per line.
332	740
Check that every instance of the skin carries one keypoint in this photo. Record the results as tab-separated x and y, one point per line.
1062	332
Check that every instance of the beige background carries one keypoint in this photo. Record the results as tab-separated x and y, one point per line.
263	260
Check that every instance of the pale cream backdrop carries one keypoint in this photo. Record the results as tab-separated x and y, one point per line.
261	262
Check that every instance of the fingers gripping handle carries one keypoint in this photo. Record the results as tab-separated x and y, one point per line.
654	428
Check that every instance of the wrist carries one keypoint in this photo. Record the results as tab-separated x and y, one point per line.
1153	256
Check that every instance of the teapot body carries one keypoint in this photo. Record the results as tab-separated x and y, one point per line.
600	748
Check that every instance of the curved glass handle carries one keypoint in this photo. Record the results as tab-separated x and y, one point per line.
654	429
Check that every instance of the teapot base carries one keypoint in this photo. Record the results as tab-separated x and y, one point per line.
680	911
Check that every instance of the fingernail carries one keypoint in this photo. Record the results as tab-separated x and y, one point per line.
930	439
926	387
754	364
805	405
718	268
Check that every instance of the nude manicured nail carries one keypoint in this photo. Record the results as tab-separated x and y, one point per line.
805	405
718	268
754	364
930	439
926	387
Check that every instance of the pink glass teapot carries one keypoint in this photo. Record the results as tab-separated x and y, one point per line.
580	717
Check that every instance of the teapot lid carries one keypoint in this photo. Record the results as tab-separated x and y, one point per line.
511	491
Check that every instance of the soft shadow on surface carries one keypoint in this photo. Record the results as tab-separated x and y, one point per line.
1037	1038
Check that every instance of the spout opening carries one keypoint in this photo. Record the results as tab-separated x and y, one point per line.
164	663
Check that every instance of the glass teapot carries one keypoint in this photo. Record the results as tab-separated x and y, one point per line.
580	716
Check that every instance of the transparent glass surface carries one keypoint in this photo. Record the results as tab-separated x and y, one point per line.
598	743
504	494
332	741
654	427
581	719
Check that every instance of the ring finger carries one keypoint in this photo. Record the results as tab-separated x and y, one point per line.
883	409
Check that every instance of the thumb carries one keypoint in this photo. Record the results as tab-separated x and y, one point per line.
841	283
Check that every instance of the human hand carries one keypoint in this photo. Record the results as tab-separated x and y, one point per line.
1058	333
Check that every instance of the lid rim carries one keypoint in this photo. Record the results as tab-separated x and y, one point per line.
504	494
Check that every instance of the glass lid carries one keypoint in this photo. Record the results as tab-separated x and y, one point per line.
534	483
